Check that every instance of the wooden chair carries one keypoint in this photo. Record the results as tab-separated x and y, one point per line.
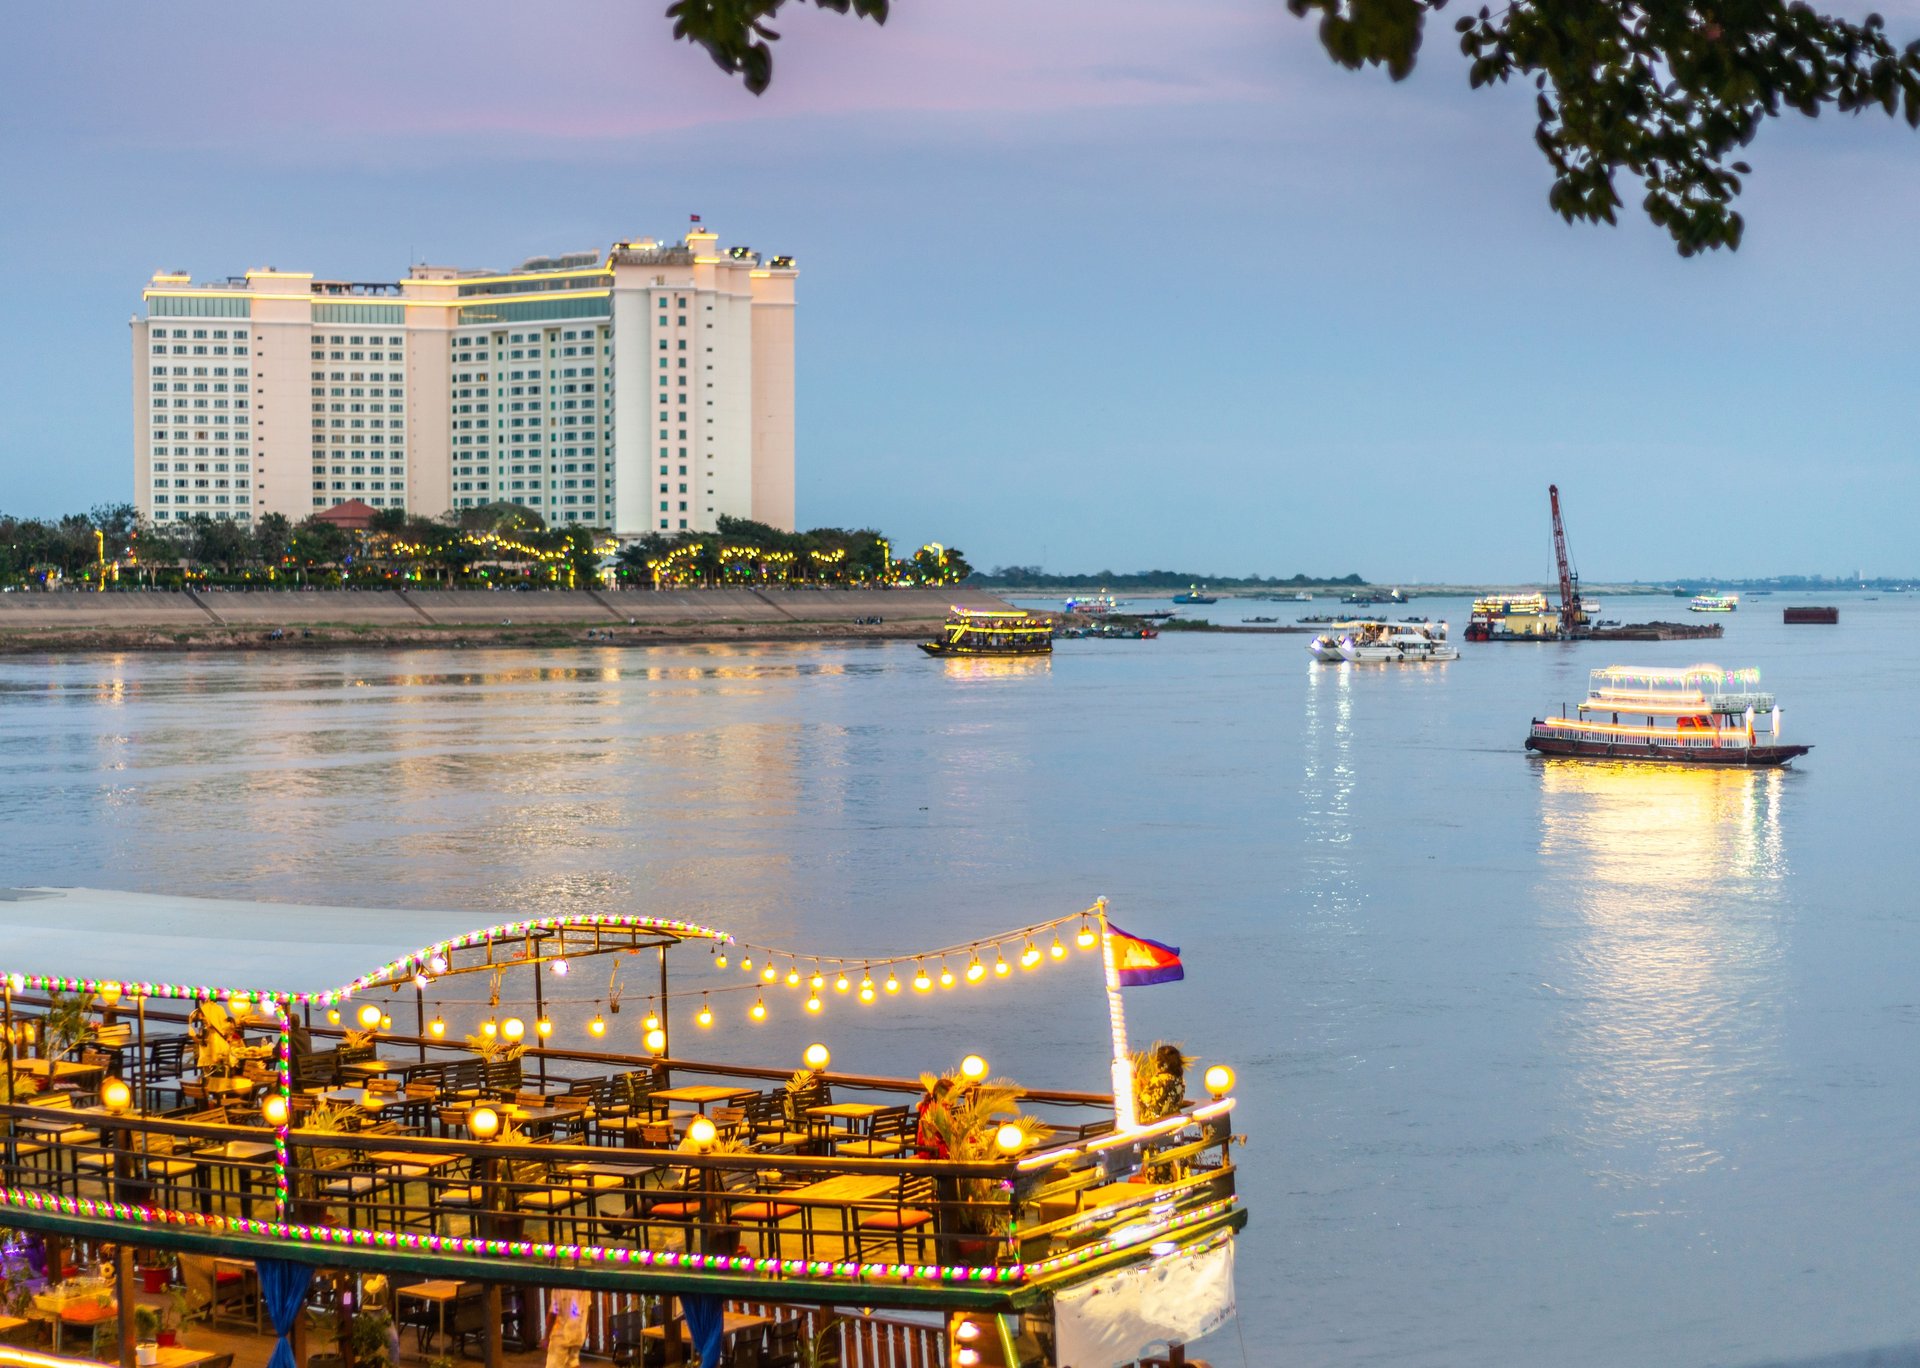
912	1213
768	1124
886	1135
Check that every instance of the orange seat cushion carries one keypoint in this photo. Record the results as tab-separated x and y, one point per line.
766	1211
896	1220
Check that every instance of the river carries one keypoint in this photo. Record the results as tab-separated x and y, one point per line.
1539	1063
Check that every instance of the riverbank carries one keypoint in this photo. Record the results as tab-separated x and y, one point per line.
408	619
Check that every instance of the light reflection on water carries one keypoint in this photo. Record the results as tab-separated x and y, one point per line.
1674	984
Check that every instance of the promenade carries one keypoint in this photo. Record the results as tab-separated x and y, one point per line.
225	619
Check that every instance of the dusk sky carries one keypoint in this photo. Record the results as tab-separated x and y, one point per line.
1129	284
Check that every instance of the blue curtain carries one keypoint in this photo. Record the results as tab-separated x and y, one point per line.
283	1286
706	1323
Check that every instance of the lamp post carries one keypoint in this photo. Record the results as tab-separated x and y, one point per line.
115	1096
483	1124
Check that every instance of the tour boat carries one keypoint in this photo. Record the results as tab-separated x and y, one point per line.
1101	604
271	1138
1698	715
1714	603
1396	643
995	632
1194	594
1511	617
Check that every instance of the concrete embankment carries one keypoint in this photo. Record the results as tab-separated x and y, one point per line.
217	620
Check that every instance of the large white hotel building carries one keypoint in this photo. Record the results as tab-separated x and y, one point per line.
648	389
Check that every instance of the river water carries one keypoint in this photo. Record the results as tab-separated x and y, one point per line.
1539	1063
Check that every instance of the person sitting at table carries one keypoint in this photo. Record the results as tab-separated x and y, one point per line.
566	1326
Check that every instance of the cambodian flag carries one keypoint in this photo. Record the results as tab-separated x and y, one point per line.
1141	961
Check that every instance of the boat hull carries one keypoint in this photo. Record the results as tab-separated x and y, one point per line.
944	649
1716	757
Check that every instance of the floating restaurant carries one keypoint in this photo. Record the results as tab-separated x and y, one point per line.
225	1103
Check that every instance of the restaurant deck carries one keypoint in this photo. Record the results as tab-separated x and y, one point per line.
647	1180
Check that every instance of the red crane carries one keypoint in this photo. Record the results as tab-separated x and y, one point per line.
1571	618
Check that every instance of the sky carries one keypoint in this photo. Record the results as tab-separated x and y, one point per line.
1134	284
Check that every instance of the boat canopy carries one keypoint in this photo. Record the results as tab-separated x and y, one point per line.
162	945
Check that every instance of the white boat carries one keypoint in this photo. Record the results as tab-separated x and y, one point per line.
1101	604
1397	643
1714	603
1326	647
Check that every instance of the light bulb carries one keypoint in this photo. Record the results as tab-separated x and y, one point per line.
840	985
368	1016
793	977
1000	967
817	983
704	1017
973	1068
386	1022
438	964
559	968
333	1016
746	963
921	983
1087	937
866	992
597	1027
701	1131
1029	956
1219	1080
720	960
816	1056
513	1028
115	1095
1057	950
420	982
656	1041
1009	1138
483	1123
892	985
544	1026
758	1011
946	975
975	970
769	974
813	1003
437	1028
489	1028
651	1022
108	993
273	1110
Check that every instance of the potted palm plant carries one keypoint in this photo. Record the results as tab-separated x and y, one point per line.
965	1123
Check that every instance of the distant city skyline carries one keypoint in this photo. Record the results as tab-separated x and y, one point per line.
1165	290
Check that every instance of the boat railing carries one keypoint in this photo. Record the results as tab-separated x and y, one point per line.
393	1183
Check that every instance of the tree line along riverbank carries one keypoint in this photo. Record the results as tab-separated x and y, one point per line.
165	620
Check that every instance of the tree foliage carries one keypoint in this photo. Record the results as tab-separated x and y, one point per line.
1666	91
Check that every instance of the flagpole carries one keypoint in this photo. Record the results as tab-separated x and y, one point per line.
1122	1072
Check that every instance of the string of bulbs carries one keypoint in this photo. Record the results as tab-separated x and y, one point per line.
815	980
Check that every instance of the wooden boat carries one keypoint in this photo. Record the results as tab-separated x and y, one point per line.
998	632
1699	715
750	1198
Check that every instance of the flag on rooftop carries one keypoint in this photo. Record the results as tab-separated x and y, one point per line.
1141	961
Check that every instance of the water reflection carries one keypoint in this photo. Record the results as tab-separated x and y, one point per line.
995	667
1326	792
1672	969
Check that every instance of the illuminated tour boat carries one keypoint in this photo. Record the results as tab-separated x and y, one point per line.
1699	715
997	632
258	1113
1383	643
1101	604
1714	603
1512	617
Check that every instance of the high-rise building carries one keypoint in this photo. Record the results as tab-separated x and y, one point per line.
646	389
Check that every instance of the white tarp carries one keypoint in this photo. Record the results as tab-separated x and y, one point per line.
1125	1316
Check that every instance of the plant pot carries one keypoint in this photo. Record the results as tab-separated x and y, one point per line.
146	1353
155	1279
166	1339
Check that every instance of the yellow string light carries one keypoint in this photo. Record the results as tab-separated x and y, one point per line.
946	975
814	1004
1000	967
1029	956
921	983
704	1017
1057	950
758	1011
793	977
892	985
975	970
840	985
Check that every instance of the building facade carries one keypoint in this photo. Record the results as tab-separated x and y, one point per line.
646	389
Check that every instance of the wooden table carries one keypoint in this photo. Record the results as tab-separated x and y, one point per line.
82	1314
841	1192
179	1356
858	1116
57	1069
358	1097
702	1095
373	1068
439	1292
238	1086
736	1322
